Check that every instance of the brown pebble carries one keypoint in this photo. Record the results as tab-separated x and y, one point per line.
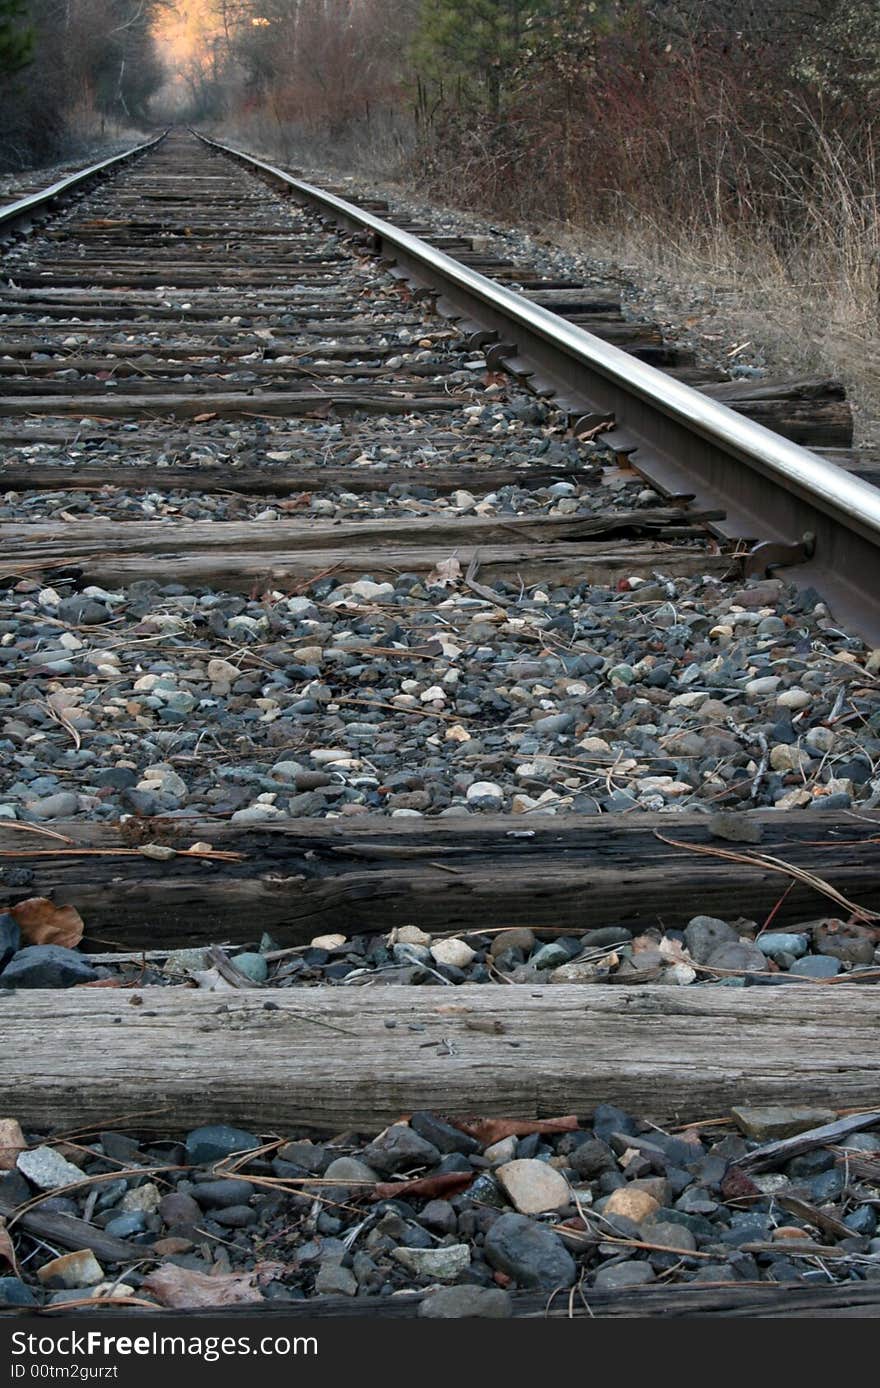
165	1247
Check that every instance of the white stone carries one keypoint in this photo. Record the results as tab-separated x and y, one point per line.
585	970
47	1169
145	1198
365	588
680	974
409	935
435	692
454	952
256	814
164	779
328	941
286	770
463	501
484	790
444	1264
501	1152
243	623
457	733
534	1187
794	800
840	785
794	698
786	758
765	684
820	739
71	1270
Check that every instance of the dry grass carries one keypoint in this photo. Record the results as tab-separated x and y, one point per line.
814	311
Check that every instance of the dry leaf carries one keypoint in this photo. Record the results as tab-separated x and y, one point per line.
447	571
203	418
11	1143
7	1252
427	1187
43	923
184	1288
674	950
736	1185
489	1130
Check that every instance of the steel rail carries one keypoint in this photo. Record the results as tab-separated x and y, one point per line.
812	513
17	215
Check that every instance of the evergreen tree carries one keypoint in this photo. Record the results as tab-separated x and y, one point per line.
475	43
16	41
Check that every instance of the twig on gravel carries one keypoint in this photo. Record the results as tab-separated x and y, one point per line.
35	1200
762	767
787	1147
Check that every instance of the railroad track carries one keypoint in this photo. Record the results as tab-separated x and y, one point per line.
347	590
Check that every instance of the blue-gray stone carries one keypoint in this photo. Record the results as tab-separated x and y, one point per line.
46	966
235	1216
827	1186
10	938
778	942
812	966
217	1141
125	1225
82	611
253	966
13	1292
607	1120
550	956
216	1194
862	1220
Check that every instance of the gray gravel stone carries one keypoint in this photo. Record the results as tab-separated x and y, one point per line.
529	1252
216	1141
705	934
812	966
466	1302
398	1149
619	1275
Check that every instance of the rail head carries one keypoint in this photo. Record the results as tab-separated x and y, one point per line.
846	500
16	215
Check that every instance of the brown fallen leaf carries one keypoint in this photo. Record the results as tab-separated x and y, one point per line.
178	1287
11	1143
447	571
203	418
41	922
489	1130
7	1251
429	1187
